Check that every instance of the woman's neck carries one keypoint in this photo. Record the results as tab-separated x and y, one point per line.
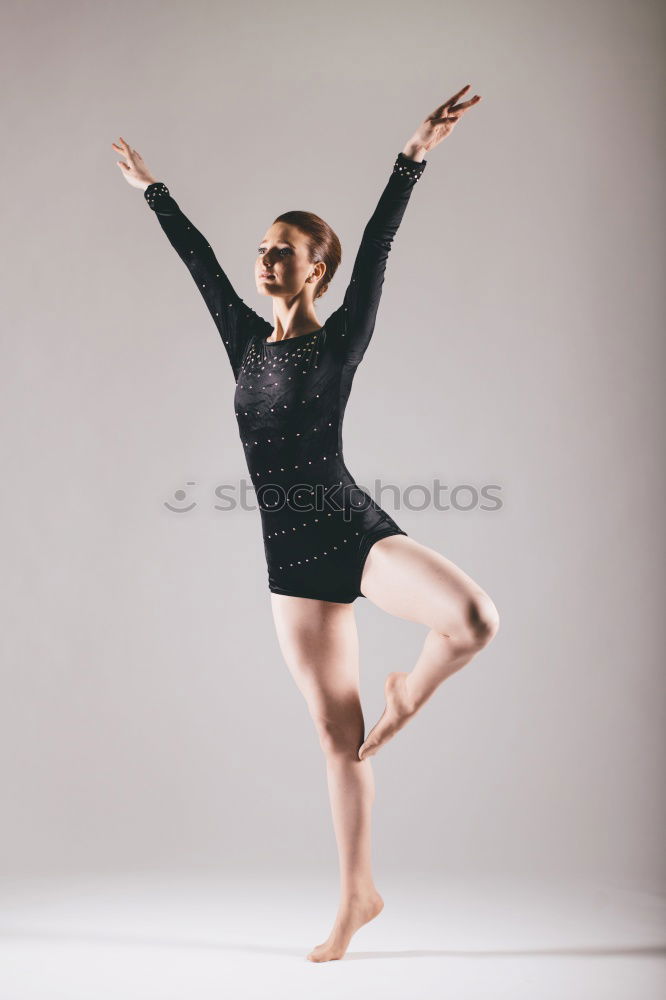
293	321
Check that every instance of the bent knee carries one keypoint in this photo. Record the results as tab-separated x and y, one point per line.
476	623
482	618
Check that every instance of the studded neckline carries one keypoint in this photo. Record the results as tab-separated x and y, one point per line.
289	340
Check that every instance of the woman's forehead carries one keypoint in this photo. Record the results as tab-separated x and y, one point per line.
281	232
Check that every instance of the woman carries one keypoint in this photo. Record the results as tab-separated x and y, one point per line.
326	541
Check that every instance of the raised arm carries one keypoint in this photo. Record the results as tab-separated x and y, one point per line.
353	323
236	322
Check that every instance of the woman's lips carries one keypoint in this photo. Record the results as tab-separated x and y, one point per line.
266	275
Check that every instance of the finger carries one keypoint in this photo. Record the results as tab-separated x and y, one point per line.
126	149
438	112
467	104
122	165
119	150
455	97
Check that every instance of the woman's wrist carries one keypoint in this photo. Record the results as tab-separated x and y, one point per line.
414	152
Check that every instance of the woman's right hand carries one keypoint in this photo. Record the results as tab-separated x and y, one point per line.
135	170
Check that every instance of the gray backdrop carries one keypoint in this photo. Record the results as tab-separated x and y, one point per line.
148	719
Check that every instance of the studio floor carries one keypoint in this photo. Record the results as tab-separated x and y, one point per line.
144	936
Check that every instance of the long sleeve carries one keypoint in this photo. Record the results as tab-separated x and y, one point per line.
235	321
352	324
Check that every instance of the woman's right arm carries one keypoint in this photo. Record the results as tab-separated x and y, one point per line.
235	321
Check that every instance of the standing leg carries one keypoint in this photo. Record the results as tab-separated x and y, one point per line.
319	642
409	580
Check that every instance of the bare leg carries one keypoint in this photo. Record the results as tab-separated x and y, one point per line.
409	580
319	642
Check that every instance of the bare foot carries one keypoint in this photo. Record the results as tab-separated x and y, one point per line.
353	913
399	710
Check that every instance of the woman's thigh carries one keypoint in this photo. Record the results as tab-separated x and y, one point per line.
412	581
319	643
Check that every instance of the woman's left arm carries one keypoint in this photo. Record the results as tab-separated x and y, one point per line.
353	323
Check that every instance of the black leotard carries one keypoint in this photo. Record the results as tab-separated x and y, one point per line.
318	525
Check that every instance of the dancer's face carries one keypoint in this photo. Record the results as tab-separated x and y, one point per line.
283	253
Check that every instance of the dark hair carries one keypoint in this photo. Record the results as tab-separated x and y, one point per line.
323	244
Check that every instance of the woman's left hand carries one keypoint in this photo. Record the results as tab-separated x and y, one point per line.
440	123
